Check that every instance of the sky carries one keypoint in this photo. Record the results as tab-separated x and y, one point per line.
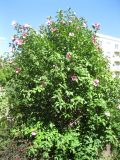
35	12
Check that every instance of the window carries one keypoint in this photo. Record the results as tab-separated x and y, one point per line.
117	54
117	63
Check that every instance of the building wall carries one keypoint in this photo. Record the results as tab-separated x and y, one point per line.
111	50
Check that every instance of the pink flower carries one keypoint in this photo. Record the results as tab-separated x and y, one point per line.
26	26
24	35
71	34
49	22
19	41
74	78
94	40
96	26
34	133
96	82
68	55
18	70
14	23
53	29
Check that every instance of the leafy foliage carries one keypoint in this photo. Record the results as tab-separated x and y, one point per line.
62	95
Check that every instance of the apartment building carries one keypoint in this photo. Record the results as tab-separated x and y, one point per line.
111	50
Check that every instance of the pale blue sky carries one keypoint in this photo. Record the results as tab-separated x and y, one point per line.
34	12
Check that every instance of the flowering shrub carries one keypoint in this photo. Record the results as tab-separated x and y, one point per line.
62	94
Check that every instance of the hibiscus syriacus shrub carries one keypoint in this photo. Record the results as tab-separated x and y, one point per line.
62	94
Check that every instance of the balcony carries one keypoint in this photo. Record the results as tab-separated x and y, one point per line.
117	53
116	59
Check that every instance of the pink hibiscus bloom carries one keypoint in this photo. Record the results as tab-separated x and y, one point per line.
34	133
18	70
74	78
53	29
19	41
24	35
96	26
68	55
94	40
26	26
96	82
49	22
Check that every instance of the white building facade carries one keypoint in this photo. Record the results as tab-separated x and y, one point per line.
111	49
